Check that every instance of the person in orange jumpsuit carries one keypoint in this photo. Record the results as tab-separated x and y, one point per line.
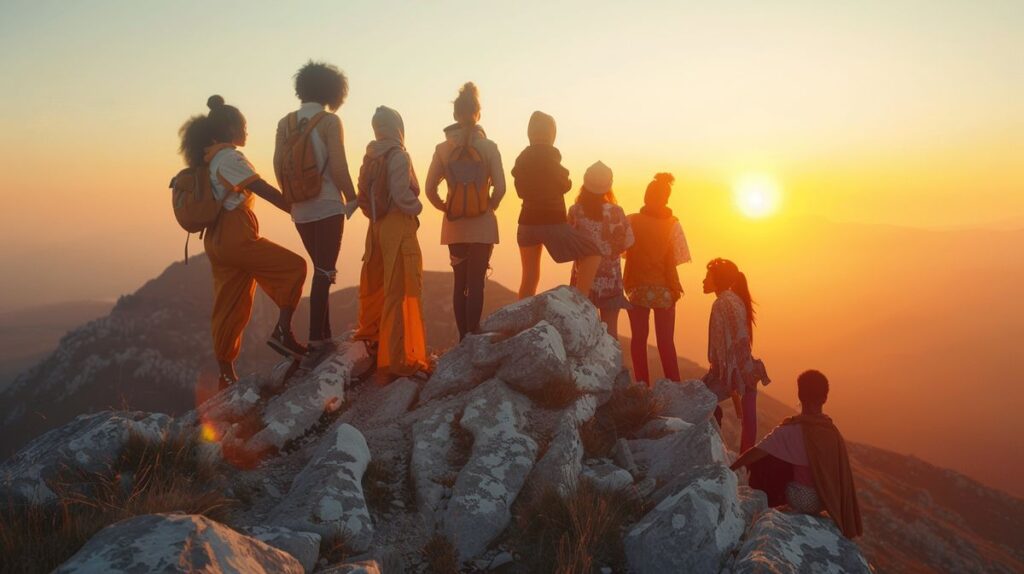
391	283
239	257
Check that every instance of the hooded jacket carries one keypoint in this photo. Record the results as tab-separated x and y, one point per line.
540	179
480	229
389	130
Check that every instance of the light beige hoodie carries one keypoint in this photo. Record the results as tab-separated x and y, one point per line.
389	129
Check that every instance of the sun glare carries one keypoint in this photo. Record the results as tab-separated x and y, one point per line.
757	195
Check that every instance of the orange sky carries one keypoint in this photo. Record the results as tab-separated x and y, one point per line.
906	114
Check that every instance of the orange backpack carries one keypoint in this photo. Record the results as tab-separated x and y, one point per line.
374	196
195	206
468	183
300	177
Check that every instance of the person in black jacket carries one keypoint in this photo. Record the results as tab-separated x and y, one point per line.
542	183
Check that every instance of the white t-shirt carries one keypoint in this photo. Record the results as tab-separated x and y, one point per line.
230	173
328	203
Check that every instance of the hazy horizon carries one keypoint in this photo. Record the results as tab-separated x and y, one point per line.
888	116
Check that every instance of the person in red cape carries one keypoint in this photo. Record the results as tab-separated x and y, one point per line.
803	462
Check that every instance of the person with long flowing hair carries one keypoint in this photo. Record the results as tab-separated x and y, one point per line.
734	372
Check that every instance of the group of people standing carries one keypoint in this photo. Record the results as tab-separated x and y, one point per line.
594	233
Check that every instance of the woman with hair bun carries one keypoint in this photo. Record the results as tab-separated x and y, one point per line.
470	236
239	258
734	372
651	280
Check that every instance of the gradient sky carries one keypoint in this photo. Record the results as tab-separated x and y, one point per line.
904	113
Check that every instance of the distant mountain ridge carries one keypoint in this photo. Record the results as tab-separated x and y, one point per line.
149	353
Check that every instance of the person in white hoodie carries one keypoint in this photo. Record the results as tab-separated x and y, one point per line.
391	283
470	240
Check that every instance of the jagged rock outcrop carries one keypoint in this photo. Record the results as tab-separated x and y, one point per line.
694	527
330	459
177	543
784	543
327	495
88	444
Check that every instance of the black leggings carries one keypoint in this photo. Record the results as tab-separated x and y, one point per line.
323	242
469	263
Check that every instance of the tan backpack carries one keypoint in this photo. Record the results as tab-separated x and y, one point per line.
300	177
195	206
468	182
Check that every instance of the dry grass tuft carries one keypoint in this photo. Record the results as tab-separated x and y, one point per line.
630	408
335	549
574	533
554	395
439	554
169	475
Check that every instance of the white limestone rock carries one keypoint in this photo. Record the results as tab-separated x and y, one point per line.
326	497
663	426
177	543
364	567
562	462
753	501
595	370
607	477
303	546
693	529
783	543
690	400
502	456
530	360
89	443
677	453
565	308
458	370
431	451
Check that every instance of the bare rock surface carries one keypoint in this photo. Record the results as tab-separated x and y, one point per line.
693	529
303	546
177	543
327	495
90	443
784	543
690	401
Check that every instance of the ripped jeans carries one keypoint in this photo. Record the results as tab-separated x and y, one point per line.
322	240
469	264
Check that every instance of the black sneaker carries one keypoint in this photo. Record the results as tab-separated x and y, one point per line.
316	354
285	344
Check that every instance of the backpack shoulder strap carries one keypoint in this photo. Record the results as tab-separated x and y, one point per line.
293	122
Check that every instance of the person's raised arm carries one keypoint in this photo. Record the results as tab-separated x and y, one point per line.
337	162
270	193
748	458
434	175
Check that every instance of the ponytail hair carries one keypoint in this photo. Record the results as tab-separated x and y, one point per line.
200	132
467	104
726	275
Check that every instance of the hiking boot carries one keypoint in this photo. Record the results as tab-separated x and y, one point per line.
284	343
317	353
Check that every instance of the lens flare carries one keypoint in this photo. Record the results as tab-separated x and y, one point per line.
757	195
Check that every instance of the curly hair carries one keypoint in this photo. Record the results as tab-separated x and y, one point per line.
322	83
200	132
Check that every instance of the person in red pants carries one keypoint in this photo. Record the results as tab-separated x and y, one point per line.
651	280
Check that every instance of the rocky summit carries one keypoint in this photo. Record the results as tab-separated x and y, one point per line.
339	470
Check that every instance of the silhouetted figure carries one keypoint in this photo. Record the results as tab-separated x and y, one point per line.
311	168
803	461
391	283
239	257
596	215
651	280
470	164
542	183
734	372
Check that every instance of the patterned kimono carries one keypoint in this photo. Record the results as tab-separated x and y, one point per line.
613	236
733	368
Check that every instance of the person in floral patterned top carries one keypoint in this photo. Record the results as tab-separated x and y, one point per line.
734	372
651	280
596	215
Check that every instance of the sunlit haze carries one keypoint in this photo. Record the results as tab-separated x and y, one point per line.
778	120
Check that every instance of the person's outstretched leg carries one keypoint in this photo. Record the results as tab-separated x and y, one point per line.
610	317
476	275
531	270
639	326
748	432
459	253
586	270
664	332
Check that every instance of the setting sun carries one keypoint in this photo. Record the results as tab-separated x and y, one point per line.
757	195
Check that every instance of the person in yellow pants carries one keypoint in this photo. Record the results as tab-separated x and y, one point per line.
240	259
391	283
